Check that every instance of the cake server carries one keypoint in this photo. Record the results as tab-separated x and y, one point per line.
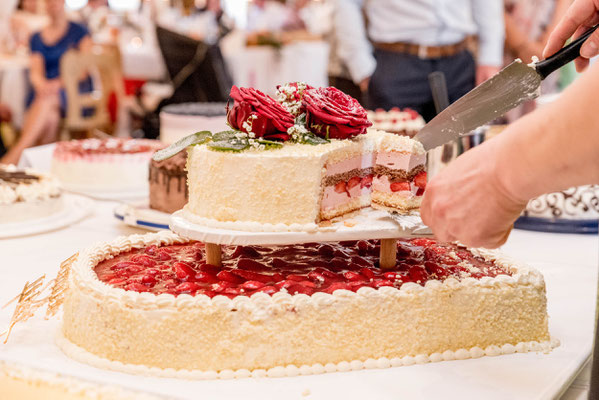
512	86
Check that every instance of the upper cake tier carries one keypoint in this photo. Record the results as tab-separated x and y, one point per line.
296	186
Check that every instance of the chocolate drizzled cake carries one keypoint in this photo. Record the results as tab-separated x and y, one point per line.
168	183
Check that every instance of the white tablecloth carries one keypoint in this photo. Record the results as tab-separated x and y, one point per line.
263	67
568	262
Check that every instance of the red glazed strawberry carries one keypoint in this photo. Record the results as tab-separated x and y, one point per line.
420	180
183	270
229	277
400	186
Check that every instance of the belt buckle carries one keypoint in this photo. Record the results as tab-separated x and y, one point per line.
422	52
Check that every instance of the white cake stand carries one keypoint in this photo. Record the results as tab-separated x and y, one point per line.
362	225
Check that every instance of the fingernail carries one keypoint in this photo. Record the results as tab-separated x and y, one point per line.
589	49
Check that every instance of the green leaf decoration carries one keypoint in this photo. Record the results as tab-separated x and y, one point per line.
225	135
310	138
180	145
270	143
234	144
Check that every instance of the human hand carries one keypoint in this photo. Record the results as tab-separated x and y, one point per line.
468	201
582	15
364	84
484	72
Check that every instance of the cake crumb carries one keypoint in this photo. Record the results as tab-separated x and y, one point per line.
306	392
350	223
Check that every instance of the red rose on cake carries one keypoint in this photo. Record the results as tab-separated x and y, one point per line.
258	114
332	114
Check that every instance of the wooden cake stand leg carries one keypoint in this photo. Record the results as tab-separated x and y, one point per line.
388	254
214	254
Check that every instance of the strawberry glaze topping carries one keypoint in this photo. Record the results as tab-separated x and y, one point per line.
304	268
108	146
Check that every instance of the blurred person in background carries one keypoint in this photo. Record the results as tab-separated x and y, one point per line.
217	24
411	39
266	16
48	99
26	20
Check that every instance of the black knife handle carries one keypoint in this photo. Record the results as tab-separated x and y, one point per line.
436	80
564	56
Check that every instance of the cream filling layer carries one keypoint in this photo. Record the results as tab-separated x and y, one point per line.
401	161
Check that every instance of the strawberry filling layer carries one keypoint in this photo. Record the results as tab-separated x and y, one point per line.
305	268
343	192
406	189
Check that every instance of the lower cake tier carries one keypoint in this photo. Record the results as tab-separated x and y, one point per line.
150	304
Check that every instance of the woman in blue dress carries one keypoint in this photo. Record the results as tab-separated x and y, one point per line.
48	99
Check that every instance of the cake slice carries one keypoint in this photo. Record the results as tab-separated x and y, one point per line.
399	173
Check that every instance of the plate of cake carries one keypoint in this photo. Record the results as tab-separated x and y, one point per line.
402	122
167	194
32	202
110	169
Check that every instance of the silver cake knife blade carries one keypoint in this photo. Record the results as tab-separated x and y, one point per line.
513	85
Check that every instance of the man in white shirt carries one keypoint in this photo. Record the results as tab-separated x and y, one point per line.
412	38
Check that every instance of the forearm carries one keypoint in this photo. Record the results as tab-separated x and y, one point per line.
555	147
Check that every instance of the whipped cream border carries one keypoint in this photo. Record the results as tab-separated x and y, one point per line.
250	226
78	353
84	277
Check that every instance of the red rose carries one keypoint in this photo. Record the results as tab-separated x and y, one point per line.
267	118
332	114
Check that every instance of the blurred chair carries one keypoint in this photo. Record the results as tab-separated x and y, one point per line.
197	70
88	112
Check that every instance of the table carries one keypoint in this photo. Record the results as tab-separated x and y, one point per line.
569	263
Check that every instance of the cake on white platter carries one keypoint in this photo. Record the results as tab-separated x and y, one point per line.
402	122
104	165
151	305
577	203
297	186
27	195
180	120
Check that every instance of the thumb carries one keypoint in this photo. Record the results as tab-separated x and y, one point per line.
590	48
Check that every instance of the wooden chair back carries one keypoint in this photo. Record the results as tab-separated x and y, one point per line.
103	64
